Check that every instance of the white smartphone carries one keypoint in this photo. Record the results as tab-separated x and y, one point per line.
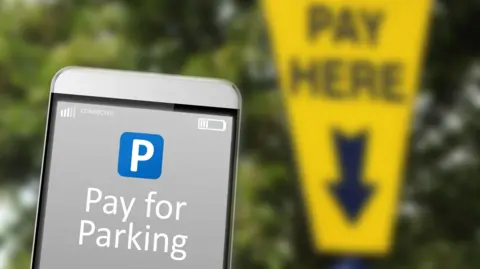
138	172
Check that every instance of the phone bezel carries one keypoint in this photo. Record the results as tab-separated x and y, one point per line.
209	103
144	86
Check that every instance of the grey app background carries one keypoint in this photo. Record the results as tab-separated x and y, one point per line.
84	153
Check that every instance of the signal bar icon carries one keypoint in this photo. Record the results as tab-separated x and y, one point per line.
68	112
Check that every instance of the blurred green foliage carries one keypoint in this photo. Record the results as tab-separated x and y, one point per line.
227	39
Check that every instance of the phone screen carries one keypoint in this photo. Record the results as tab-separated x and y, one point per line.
131	184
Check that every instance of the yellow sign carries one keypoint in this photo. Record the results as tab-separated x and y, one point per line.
349	72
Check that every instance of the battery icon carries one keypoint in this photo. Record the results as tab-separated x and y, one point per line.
212	124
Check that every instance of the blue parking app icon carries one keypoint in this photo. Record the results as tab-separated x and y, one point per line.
140	155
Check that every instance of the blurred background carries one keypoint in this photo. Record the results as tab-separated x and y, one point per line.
439	215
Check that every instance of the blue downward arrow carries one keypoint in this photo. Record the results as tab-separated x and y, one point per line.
350	191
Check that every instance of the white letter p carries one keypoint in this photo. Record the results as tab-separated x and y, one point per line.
136	157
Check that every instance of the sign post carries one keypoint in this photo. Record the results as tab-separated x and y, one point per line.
349	263
349	74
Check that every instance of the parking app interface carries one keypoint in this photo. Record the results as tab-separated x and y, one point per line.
135	187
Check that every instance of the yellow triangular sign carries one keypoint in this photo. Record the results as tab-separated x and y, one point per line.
349	73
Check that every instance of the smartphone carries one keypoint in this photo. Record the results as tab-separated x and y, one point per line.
138	172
